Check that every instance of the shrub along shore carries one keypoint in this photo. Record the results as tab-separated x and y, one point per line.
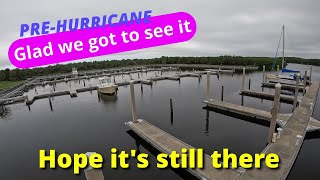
23	74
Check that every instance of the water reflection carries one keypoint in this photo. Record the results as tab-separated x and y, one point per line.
207	122
108	99
5	112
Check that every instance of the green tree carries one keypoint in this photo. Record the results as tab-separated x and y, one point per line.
7	74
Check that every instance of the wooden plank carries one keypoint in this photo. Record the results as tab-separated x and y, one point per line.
166	143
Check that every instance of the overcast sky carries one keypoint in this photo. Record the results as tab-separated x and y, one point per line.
225	27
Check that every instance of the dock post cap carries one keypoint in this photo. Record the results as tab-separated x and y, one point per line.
131	81
298	75
311	106
299	136
278	85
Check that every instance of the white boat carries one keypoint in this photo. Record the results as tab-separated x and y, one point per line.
105	86
75	72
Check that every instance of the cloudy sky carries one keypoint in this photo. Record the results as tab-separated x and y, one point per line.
225	27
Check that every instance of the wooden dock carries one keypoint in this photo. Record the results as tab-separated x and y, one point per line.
258	114
268	95
285	82
283	86
166	143
289	144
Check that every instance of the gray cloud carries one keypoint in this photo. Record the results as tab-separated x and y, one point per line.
247	27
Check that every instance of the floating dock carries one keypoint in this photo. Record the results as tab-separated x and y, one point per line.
166	143
268	95
283	86
258	114
285	82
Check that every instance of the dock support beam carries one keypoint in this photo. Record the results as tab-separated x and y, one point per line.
274	112
296	92
93	174
208	85
243	77
264	74
133	103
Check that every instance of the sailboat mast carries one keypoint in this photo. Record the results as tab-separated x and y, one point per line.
282	65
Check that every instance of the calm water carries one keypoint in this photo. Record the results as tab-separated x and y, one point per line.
87	123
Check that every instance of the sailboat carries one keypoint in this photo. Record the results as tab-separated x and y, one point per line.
283	69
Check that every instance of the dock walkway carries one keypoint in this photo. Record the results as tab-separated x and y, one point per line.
288	146
269	95
166	143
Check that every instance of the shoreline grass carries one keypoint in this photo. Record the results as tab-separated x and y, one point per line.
9	84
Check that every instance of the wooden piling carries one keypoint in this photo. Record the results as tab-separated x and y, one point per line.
274	112
50	103
171	107
305	82
264	74
208	85
296	91
249	84
278	68
133	103
310	75
222	92
243	77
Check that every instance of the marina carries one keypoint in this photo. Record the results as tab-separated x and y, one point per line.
167	128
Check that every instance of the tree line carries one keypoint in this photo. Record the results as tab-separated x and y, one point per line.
22	74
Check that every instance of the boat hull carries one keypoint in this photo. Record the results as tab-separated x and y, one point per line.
108	90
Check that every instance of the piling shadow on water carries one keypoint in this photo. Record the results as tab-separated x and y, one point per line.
140	141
